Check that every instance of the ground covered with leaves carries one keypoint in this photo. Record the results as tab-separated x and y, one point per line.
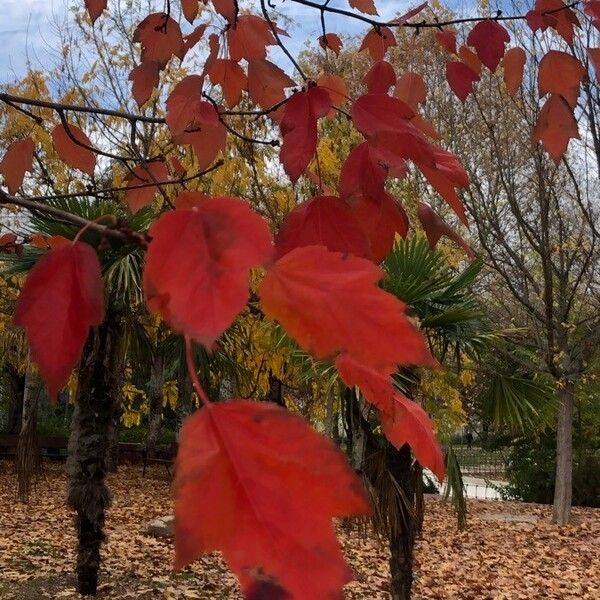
494	558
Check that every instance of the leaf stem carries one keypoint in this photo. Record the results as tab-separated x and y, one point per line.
191	367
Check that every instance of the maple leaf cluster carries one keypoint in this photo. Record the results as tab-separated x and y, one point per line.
254	481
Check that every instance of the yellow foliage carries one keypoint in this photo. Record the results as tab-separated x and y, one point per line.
439	394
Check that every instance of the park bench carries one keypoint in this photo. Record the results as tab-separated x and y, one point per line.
164	454
52	447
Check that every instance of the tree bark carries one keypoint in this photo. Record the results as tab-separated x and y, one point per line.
402	538
16	383
563	483
88	494
28	458
154	405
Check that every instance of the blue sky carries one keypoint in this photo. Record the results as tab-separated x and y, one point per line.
27	28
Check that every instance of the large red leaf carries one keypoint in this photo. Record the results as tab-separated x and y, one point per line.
364	6
266	83
362	174
555	126
460	79
74	149
190	9
435	227
16	162
489	39
323	221
227	9
411	425
447	39
380	77
331	41
61	299
258	484
556	15
561	73
381	218
377	41
185	103
232	79
299	129
337	90
144	79
513	65
249	38
412	89
140	197
160	37
330	303
197	264
95	8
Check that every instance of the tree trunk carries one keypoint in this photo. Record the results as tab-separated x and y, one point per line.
275	393
28	458
16	383
88	444
184	399
563	483
419	499
402	538
154	405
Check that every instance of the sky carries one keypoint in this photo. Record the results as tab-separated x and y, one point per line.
27	28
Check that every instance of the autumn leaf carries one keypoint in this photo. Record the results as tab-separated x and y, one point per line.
249	38
594	56
411	425
364	6
447	39
337	90
362	174
554	14
331	41
185	102
411	88
380	77
74	147
160	37
267	82
16	162
144	79
330	304
435	227
299	129
196	273
190	40
255	482
470	59
377	42
324	221
513	65
560	73
232	79
140	197
61	299
555	126
227	9
489	39
95	8
190	9
460	79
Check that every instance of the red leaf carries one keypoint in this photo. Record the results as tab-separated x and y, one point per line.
555	126
16	162
184	102
470	59
364	6
378	41
447	39
160	37
560	73
412	426
190	40
61	299
461	79
95	8
362	174
435	228
513	65
258	484
381	218
75	155
331	41
323	221
266	82
594	56
299	129
208	139
232	79
330	303
197	264
145	78
380	78
249	38
336	88
376	387
227	9
556	15
411	88
190	9
489	38
138	198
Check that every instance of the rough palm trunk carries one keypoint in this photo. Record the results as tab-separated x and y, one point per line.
563	487
28	458
402	537
275	393
154	405
419	499
86	465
